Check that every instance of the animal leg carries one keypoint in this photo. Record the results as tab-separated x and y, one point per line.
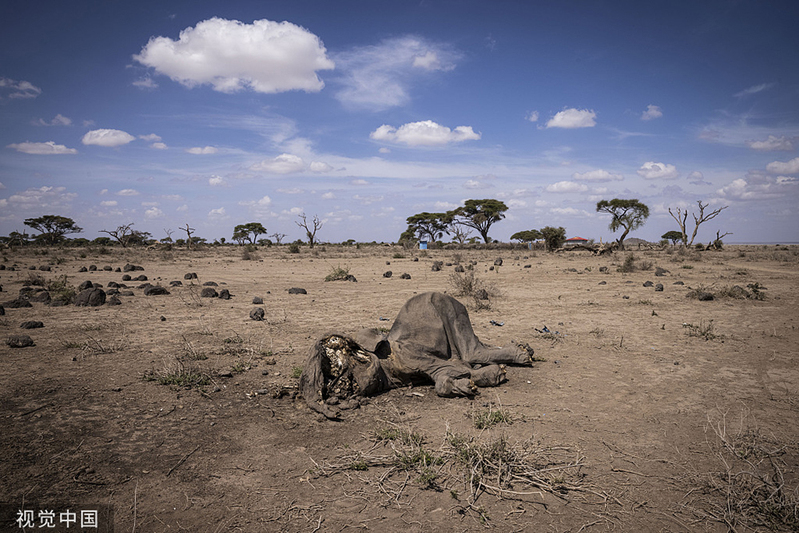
448	387
489	376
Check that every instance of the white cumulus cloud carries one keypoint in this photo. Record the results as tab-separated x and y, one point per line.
424	133
150	137
573	118
107	138
153	213
159	146
202	150
756	187
217	181
654	171
533	116
45	148
319	166
265	56
784	167
217	213
567	187
772	144
282	164
652	112
597	175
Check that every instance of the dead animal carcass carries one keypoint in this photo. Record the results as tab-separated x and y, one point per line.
431	340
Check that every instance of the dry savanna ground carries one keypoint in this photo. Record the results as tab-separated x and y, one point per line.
647	411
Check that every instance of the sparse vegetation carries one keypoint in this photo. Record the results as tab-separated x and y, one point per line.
338	273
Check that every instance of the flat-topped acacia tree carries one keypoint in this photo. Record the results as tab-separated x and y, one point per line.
53	227
479	215
627	214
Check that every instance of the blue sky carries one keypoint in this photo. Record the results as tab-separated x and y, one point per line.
366	112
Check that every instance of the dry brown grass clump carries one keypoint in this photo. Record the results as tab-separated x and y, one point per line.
468	284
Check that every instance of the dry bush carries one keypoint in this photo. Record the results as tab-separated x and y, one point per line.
338	273
749	489
469	285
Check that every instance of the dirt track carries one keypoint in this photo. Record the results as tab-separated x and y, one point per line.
622	422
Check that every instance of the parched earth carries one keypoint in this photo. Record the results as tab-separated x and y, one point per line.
649	410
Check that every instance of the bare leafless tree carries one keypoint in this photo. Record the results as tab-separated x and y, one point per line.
278	237
682	217
189	232
169	233
310	227
460	233
122	234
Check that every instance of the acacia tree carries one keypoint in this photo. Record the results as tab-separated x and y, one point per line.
310	227
528	235
430	225
248	232
126	236
479	215
627	214
553	237
672	236
681	217
52	227
278	237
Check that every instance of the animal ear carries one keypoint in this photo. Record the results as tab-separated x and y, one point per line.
312	382
383	349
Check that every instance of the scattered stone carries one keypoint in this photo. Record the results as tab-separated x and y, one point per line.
704	296
679	283
405	276
498	262
448	264
90	297
736	291
114	300
491	267
648	284
603	269
117	269
210	284
2	267
388	262
108	268
257	300
190	275
257	314
45	268
2	310
126	293
388	274
83	269
26	292
42	297
128	268
142	277
226	374
660	271
351	278
162	318
659	287
459	268
113	285
85	285
625	297
126	277
528	266
19	341
176	283
92	268
208	292
18	303
297	290
436	266
415	259
32	324
32	267
571	270
156	290
224	294
603	283
144	286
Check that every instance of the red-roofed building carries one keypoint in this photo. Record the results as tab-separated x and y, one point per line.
575	240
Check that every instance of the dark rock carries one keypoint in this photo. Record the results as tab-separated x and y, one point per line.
659	287
351	278
603	283
156	290
436	266
111	292
85	285
26	292
162	318
142	277
90	297
660	271
113	285
83	269
459	268
45	268
18	303
648	284
114	300
448	264
415	259
388	274
32	324
42	297
117	269
704	296
128	268
571	270
736	291
257	314
126	293
19	341
32	267
208	292
224	294
257	300
2	267
145	286
405	276
138	267
528	266
108	268
126	277
210	284
603	269
190	275
176	283
491	267
92	268
97	285
2	310
297	290
679	283
498	262
388	262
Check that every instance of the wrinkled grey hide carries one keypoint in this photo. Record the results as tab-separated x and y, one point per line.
431	340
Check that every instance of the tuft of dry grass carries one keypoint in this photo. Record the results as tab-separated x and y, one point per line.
468	284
